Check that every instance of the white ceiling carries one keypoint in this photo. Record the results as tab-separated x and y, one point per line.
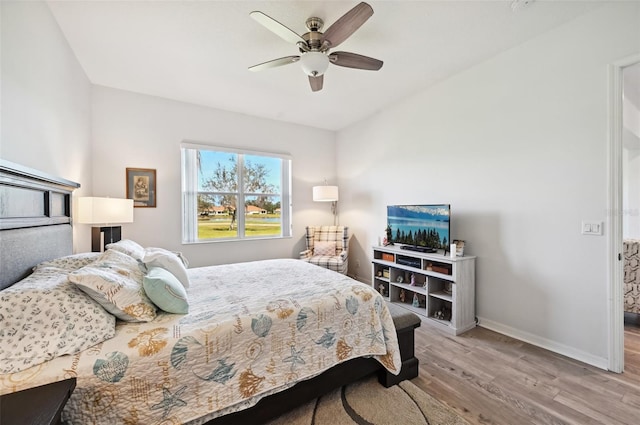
199	51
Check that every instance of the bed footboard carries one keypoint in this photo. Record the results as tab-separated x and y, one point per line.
406	322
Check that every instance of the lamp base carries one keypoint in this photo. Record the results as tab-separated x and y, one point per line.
111	234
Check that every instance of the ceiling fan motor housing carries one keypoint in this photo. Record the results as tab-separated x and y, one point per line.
313	38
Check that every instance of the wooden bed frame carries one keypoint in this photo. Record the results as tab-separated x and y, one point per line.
36	225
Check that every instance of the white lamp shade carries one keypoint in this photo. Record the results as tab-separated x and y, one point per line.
325	193
314	63
92	210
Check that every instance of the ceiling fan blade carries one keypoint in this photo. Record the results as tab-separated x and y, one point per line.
347	24
276	27
316	82
353	60
275	63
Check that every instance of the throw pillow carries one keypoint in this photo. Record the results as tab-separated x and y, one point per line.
159	257
129	247
115	282
45	316
166	291
324	248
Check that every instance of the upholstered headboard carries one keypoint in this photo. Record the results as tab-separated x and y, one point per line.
35	220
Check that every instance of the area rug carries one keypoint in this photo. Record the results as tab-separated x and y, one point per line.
366	402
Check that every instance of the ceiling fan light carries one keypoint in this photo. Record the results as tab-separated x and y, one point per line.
314	64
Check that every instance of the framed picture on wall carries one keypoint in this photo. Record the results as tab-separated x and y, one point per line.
141	187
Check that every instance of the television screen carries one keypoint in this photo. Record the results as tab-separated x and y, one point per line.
420	225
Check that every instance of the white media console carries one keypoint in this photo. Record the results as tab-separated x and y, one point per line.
433	285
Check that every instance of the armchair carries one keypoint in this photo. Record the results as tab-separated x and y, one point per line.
327	246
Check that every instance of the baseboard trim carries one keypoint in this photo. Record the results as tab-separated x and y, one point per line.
565	350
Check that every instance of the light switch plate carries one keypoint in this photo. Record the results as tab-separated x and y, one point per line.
592	228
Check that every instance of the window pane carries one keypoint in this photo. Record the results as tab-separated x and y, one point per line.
217	217
234	195
262	174
262	216
218	171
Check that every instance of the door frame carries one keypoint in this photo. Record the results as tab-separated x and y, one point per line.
614	262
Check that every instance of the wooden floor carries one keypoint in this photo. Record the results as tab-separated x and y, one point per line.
489	378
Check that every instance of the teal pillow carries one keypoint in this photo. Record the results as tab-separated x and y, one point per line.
166	291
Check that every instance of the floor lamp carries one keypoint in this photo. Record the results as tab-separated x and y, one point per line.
106	212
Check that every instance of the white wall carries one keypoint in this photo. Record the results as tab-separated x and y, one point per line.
45	99
138	131
518	146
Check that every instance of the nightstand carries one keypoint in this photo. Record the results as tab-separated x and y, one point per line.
39	405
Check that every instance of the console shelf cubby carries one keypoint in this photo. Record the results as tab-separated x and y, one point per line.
435	286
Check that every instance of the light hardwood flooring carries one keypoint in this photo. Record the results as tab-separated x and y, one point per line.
489	378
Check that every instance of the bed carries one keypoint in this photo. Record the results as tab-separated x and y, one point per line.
259	337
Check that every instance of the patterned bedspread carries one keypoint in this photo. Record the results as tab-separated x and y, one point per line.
253	329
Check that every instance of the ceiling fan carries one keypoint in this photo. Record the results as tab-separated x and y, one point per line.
314	45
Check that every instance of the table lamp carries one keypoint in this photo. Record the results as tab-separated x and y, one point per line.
106	212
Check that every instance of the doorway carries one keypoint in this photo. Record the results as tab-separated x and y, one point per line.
619	99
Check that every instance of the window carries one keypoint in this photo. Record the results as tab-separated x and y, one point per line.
231	194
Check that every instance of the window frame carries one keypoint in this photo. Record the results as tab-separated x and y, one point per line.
190	192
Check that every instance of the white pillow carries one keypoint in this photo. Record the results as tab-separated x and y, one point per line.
115	281
129	247
324	248
45	316
159	257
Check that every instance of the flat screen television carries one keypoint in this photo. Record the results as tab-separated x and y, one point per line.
424	227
